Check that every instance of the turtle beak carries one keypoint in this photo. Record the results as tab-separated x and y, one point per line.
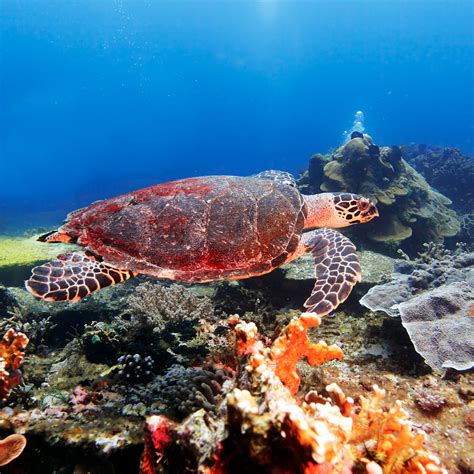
372	212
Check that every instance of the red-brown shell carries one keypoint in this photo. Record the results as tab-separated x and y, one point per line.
196	229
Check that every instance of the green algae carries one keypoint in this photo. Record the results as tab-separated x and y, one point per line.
19	254
19	251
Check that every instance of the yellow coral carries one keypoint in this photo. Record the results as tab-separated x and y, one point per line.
389	438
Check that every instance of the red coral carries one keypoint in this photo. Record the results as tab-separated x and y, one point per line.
158	438
11	356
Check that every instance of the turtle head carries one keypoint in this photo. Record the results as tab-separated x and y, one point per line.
354	209
338	210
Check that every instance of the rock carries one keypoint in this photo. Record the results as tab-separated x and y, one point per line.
300	269
376	268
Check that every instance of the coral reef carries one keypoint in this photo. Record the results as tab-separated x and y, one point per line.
81	414
266	429
12	349
447	169
37	329
409	207
411	277
11	447
433	296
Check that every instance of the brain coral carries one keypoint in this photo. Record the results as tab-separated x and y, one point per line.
409	207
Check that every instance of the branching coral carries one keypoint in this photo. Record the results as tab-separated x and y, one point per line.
154	305
11	356
266	429
186	390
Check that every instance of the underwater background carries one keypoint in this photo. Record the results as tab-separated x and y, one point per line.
103	97
356	357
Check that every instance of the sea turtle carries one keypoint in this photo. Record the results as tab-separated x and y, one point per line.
207	229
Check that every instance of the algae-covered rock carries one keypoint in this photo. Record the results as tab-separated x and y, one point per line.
19	254
409	208
16	251
376	268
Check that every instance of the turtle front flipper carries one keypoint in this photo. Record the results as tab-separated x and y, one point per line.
73	277
337	269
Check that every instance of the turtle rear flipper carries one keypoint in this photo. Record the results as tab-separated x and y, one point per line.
55	236
72	277
337	269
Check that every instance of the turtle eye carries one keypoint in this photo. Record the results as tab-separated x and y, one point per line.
363	204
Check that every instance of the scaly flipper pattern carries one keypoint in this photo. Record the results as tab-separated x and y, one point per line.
72	277
337	269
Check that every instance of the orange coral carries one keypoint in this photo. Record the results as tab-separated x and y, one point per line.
389	439
11	356
247	340
293	345
267	427
11	447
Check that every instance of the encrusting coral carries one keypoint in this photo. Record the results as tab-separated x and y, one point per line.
11	356
11	447
264	428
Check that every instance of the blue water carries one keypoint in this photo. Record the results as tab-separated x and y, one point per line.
100	97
